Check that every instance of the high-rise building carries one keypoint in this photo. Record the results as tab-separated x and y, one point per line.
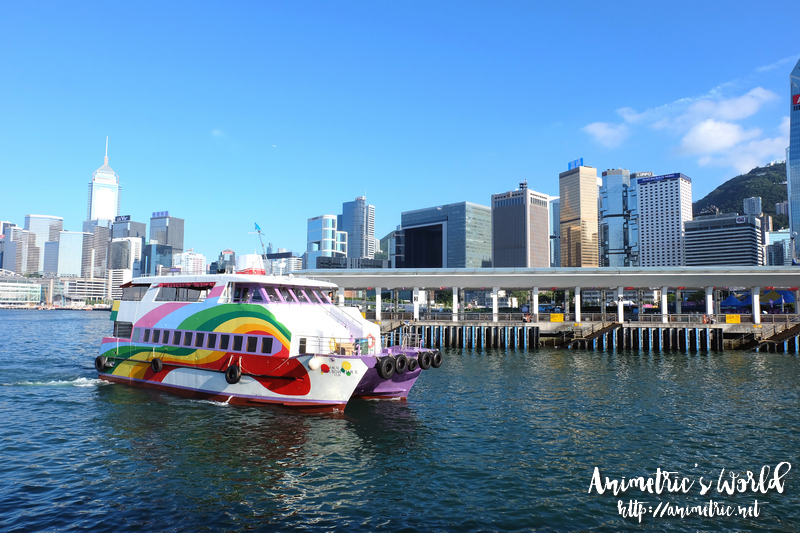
225	263
189	262
104	193
43	228
95	248
155	259
166	230
358	221
793	153
729	239
324	240
619	219
123	226
579	223
554	228
782	208
752	206
70	253
448	236
665	204
520	236
17	243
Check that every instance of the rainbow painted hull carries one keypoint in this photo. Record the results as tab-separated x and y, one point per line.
249	340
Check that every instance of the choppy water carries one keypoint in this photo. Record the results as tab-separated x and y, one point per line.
492	441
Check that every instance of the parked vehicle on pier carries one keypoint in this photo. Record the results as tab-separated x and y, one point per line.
253	339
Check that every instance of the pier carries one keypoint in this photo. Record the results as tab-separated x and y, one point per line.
706	329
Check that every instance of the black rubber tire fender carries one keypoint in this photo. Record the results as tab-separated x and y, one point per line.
385	367
156	365
425	359
413	364
100	363
401	363
233	374
437	359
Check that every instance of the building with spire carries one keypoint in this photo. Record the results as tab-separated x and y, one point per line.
104	193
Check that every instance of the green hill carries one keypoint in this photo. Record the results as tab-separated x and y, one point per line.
768	182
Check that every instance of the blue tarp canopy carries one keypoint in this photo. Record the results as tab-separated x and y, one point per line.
731	301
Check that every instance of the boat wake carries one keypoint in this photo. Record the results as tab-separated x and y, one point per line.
212	402
77	382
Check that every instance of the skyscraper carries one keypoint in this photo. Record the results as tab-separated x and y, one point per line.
324	240
166	230
104	193
665	204
793	153
520	236
358	221
578	203
43	228
554	228
619	234
752	206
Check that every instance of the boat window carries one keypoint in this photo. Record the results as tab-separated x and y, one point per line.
237	343
265	292
146	336
198	341
176	338
134	293
123	330
317	296
167	294
257	296
156	335
240	294
224	341
327	296
137	334
294	295
302	297
181	294
266	345
301	348
286	295
187	338
212	340
165	340
252	342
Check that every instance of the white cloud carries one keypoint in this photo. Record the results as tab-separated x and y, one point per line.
610	135
711	136
218	133
733	108
746	155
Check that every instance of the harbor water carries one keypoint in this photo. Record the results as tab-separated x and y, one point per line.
498	440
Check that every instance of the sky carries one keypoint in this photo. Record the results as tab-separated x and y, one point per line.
228	114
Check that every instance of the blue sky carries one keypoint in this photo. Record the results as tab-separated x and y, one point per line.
230	113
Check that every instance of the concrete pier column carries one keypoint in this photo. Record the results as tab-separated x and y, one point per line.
377	304
755	295
664	305
495	290
566	302
678	300
340	296
603	304
455	304
620	307
535	310
709	301
415	298
577	304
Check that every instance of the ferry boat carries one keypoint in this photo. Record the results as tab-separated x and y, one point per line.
254	339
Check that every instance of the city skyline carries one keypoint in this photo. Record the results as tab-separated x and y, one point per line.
302	110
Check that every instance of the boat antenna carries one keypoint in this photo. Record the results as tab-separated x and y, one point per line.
258	230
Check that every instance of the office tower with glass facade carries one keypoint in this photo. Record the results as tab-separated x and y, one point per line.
95	248
728	239
554	228
793	153
104	193
578	218
166	230
665	205
358	221
520	221
123	226
619	233
155	259
70	253
225	263
17	243
448	236
324	240
43	228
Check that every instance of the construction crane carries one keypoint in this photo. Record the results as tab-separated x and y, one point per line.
258	230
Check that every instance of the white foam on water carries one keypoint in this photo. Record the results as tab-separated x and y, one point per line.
77	382
212	402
